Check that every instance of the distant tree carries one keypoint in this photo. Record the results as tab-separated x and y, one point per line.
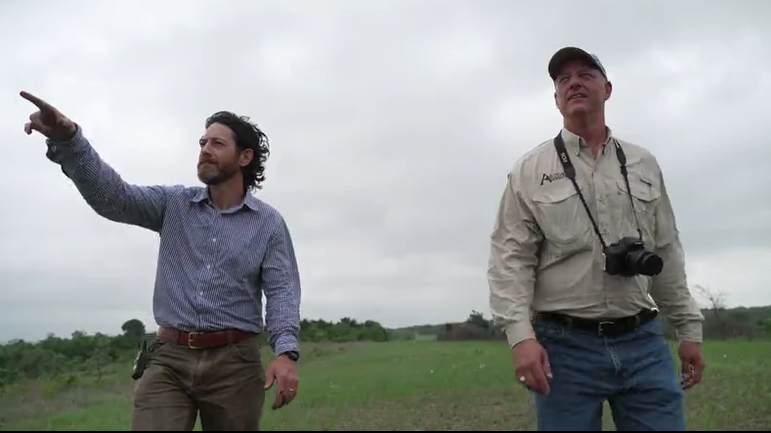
345	330
134	329
765	327
478	319
101	355
715	303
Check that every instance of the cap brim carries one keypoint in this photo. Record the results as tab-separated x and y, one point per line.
568	54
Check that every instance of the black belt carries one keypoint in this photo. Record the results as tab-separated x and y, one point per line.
606	328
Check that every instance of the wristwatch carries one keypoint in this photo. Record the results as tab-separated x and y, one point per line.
293	355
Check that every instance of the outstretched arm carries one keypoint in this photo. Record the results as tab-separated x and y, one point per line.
98	183
103	188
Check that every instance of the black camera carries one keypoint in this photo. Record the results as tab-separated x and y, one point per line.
628	258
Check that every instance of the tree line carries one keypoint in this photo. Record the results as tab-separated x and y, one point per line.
91	353
720	323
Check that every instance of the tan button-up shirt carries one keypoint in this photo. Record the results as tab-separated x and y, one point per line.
545	255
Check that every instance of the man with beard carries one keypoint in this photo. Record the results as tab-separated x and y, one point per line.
220	250
585	254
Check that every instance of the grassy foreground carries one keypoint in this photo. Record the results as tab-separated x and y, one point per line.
420	385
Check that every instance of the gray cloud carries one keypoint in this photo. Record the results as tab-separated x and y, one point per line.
392	125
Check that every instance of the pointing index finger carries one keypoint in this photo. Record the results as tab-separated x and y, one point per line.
41	104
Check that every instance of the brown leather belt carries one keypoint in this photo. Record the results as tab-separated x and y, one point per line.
202	339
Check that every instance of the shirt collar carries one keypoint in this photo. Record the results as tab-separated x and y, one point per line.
574	143
249	201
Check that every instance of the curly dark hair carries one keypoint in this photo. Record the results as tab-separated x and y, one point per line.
248	136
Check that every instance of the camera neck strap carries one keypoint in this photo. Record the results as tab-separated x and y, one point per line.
570	173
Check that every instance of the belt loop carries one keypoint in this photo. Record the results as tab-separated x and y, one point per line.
230	337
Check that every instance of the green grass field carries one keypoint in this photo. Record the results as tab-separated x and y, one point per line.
420	385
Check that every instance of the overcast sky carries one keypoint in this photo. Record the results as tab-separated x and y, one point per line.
393	125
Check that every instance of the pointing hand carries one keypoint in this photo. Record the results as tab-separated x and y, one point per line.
48	120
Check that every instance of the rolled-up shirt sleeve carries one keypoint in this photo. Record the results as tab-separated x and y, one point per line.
669	289
515	240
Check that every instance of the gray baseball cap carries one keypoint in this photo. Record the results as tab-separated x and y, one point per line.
567	54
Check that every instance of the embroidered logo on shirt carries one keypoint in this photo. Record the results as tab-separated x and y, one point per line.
552	177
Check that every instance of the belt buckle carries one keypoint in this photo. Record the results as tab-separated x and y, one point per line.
602	325
190	336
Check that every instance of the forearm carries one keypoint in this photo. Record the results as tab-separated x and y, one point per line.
102	187
511	277
511	268
281	281
670	292
284	339
510	306
669	289
283	319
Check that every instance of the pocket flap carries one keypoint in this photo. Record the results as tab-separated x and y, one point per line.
554	193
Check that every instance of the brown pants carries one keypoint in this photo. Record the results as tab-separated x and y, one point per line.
224	386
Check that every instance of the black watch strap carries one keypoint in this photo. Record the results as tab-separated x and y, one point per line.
293	355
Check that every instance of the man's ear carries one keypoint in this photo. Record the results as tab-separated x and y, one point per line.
246	157
608	89
556	101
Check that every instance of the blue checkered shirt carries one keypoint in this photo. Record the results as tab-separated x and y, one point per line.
213	266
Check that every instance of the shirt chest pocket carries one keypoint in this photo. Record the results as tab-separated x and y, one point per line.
560	213
645	194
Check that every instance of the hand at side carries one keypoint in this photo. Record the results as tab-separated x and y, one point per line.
531	365
283	374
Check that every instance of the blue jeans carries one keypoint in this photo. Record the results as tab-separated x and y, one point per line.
633	372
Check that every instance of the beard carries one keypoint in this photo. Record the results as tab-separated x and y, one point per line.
215	174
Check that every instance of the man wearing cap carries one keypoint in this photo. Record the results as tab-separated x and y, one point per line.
585	254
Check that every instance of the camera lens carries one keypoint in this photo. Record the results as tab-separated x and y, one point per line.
645	262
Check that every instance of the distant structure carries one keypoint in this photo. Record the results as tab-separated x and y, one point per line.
469	332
